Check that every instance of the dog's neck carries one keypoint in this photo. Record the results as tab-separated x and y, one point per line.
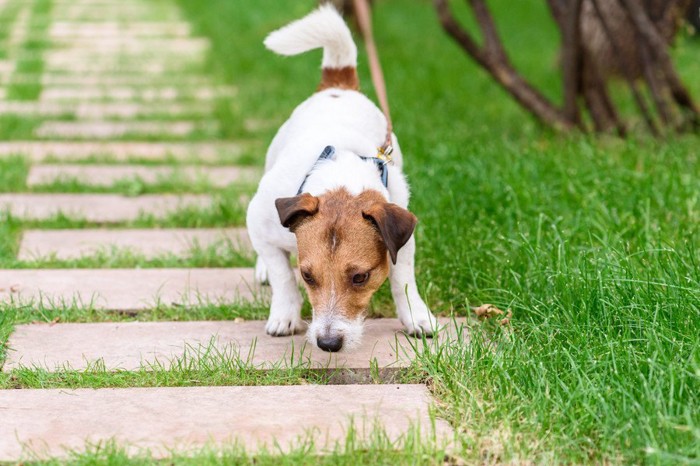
345	169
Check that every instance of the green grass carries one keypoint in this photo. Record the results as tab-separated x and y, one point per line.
593	242
33	47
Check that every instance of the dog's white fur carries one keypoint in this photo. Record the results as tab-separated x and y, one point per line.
352	124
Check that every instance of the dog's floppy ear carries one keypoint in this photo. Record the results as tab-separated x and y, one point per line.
395	224
294	209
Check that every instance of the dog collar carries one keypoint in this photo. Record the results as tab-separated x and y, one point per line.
380	161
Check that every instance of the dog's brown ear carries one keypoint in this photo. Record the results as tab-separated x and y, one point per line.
395	224
294	209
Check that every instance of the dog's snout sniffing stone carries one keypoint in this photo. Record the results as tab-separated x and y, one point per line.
331	343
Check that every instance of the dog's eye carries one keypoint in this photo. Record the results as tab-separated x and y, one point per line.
360	278
308	278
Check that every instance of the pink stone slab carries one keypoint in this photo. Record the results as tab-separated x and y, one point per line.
99	208
38	424
143	68
108	175
126	289
113	80
66	29
38	151
117	30
131	93
116	129
133	345
103	110
116	45
73	244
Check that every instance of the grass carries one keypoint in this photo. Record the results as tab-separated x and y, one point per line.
33	46
593	242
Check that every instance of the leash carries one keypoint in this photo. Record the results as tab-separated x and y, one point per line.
364	21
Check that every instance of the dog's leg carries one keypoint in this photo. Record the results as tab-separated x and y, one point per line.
285	308
410	307
261	272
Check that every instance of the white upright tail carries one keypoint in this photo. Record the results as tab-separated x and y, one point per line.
323	28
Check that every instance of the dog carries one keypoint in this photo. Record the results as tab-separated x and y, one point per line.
325	197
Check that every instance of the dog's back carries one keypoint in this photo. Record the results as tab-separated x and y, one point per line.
323	28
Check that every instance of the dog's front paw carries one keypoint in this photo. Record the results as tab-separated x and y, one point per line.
261	272
419	323
279	327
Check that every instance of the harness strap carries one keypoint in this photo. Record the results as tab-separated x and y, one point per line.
328	153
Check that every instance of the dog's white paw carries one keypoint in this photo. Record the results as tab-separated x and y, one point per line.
261	272
419	323
279	327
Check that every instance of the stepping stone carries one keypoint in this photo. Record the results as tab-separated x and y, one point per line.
150	243
104	110
127	45
42	424
133	345
143	69
126	289
62	29
95	61
108	175
117	129
115	80
98	208
139	94
38	151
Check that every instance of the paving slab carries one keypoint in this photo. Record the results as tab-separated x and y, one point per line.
114	80
108	175
105	110
38	424
131	93
66	151
99	208
126	44
134	345
118	129
127	289
145	68
116	29
150	243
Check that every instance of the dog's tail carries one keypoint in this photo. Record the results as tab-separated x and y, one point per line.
323	28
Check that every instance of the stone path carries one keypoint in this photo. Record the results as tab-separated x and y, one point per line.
181	419
53	346
120	150
104	110
116	92
126	289
73	244
98	208
107	175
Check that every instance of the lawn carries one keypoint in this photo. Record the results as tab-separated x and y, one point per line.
592	241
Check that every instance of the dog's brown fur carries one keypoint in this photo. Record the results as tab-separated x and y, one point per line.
340	239
339	78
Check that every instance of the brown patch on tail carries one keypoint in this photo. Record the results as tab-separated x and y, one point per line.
339	78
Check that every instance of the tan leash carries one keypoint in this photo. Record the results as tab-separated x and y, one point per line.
364	20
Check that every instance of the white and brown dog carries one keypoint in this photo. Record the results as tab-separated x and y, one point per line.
325	197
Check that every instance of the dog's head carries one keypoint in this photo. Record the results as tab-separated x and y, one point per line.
345	243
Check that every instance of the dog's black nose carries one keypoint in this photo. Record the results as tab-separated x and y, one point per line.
331	343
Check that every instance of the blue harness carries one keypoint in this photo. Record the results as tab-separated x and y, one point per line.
328	153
